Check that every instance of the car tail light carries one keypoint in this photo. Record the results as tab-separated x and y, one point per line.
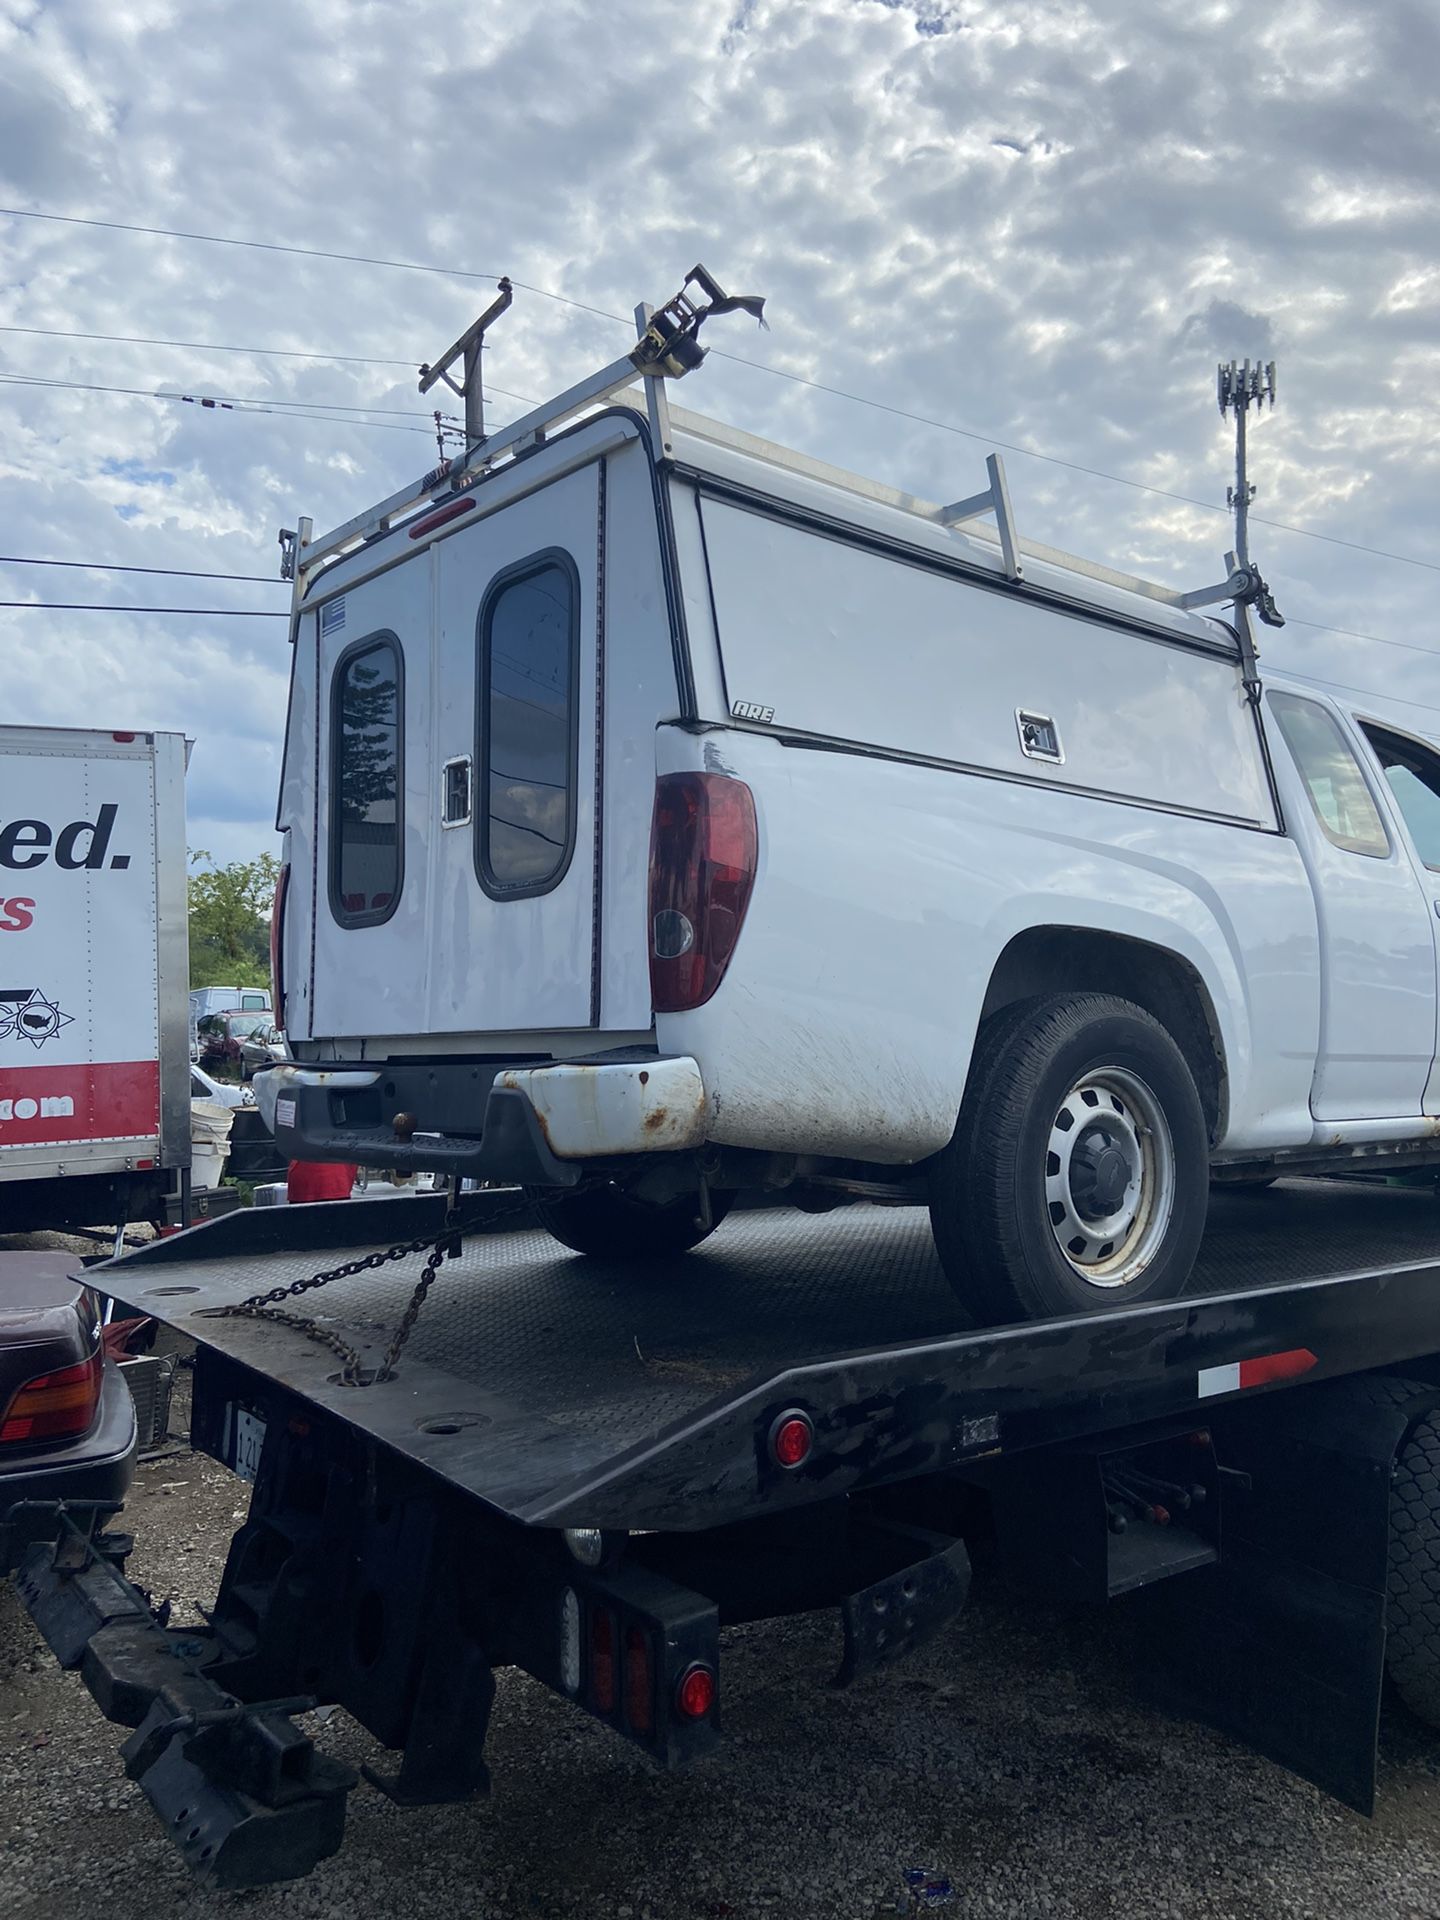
703	852
277	948
54	1406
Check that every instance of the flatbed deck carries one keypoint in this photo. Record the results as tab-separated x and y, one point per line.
563	1391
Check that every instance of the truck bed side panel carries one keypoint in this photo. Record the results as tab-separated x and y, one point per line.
887	891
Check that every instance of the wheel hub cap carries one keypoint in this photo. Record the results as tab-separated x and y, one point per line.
1109	1177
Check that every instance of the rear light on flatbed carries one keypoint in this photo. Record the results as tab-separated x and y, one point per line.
703	852
54	1406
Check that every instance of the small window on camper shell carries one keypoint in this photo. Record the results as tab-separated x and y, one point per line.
366	817
528	635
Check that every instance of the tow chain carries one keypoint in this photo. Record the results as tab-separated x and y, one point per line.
440	1247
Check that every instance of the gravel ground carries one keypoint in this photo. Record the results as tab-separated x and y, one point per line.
1015	1757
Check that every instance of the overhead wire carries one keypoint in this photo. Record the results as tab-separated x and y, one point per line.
98	606
116	566
239	403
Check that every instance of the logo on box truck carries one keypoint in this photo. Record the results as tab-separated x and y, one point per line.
83	843
49	1106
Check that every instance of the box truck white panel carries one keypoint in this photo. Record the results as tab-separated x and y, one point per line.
93	957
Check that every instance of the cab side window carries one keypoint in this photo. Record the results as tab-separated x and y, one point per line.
1342	802
1413	773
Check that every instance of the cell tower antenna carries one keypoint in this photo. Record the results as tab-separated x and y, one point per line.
1240	387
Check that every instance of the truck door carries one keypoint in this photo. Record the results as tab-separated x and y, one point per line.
1377	944
512	897
1412	772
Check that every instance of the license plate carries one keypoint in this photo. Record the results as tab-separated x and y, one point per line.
249	1441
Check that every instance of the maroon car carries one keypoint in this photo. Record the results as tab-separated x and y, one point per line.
67	1422
221	1036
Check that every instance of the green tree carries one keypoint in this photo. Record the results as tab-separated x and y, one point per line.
230	920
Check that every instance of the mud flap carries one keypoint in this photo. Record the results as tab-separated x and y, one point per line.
1282	1645
891	1617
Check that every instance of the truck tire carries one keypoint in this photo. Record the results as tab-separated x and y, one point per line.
1078	1175
1412	1613
606	1222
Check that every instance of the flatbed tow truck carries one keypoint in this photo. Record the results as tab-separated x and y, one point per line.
587	1471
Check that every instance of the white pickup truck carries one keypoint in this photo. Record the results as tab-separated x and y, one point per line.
670	816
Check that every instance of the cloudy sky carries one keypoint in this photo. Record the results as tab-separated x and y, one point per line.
1035	223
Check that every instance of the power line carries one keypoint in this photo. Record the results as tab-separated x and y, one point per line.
114	566
97	606
281	410
738	359
271	353
262	246
209	346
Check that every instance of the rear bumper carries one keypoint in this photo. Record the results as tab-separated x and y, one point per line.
98	1467
533	1125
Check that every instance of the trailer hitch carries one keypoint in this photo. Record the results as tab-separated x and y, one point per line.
239	1787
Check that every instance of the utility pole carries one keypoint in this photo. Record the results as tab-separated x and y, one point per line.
1241	387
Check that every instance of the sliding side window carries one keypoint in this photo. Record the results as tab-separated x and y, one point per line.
366	722
529	646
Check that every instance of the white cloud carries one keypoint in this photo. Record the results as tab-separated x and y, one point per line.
1041	221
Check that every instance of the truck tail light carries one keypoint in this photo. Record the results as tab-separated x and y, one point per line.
277	946
602	1661
695	1694
54	1406
639	1681
703	852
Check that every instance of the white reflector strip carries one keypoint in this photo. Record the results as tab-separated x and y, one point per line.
1219	1380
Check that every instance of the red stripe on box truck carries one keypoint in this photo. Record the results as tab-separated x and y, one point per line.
114	1100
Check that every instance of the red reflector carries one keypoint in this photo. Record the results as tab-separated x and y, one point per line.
791	1439
54	1406
437	519
695	1695
143	1166
1277	1366
703	851
602	1661
123	738
639	1681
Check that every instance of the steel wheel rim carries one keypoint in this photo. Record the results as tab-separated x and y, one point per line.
1109	1177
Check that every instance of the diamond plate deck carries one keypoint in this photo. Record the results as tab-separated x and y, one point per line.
546	1367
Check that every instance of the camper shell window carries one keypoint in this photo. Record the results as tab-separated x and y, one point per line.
367	711
528	638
